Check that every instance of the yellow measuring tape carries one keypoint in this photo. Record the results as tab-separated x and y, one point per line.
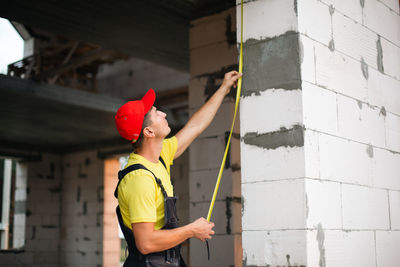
239	89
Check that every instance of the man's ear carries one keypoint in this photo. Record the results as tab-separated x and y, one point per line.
148	132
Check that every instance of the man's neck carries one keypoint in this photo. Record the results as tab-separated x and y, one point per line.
151	150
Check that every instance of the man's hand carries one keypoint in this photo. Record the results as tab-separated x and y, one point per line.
230	79
202	229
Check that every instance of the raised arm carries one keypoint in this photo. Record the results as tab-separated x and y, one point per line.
203	117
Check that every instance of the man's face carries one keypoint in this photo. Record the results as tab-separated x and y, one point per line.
159	123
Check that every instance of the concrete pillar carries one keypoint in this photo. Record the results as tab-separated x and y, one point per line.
213	52
272	143
320	131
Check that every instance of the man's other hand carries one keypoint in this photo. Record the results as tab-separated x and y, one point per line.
202	229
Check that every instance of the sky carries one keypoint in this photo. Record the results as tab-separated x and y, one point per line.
11	44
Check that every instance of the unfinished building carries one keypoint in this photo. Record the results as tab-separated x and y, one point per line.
313	173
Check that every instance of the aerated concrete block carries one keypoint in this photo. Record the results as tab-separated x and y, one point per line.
392	4
259	112
340	73
321	33
323	204
355	40
394	203
206	153
360	122
387	248
339	248
345	161
273	17
392	125
274	248
350	8
202	183
386	169
308	59
221	123
197	96
384	91
364	208
311	154
221	252
319	108
379	18
212	29
221	215
265	201
391	58
263	164
202	59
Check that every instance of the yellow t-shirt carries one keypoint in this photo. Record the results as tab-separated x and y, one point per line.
139	196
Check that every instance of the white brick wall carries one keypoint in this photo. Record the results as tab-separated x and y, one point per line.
339	73
392	130
382	20
320	108
311	154
355	40
324	204
394	203
383	91
274	205
391	58
350	8
261	164
260	112
308	59
386	169
341	248
364	208
392	4
320	13
277	15
360	122
387	248
271	248
352	122
344	161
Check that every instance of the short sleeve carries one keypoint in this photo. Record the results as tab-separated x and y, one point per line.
142	202
170	145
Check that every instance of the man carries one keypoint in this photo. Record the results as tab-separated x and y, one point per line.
145	194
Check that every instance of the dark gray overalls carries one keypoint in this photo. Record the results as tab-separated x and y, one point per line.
170	257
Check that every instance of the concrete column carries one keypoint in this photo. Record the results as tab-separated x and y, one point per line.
272	141
213	52
320	131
